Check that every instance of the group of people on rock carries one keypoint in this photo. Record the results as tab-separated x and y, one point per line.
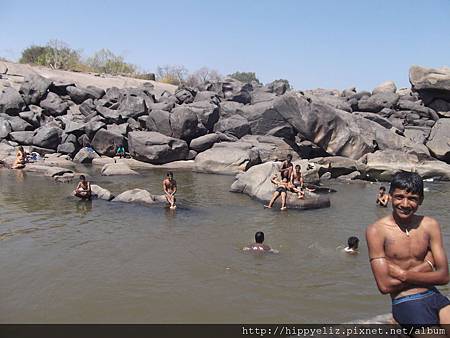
291	181
84	191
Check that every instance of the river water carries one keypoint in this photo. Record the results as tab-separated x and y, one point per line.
67	261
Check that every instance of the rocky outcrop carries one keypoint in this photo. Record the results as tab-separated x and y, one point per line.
439	140
113	169
101	193
430	83
139	196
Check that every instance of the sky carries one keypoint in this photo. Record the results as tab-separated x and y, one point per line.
313	44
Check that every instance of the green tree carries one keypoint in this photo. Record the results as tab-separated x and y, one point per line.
56	54
32	54
244	76
105	61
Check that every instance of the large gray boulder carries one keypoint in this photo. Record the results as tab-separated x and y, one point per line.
184	123
431	83
256	183
159	121
204	142
85	156
234	125
385	87
54	105
377	102
227	158
132	106
338	132
24	138
278	87
47	137
67	148
331	100
113	169
11	102
439	140
32	116
376	118
261	117
335	165
34	87
417	134
79	94
230	108
105	142
137	196
88	108
207	113
270	148
156	148
101	193
5	128
382	165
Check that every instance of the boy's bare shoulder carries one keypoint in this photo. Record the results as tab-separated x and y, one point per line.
430	222
378	226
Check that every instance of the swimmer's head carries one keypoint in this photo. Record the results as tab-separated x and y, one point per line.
259	237
82	178
169	174
353	242
298	167
382	189
289	157
411	182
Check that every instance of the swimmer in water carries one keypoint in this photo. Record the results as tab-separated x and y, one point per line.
383	198
83	189
258	246
352	245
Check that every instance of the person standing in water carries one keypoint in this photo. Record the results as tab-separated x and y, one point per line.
382	198
408	258
83	189
170	189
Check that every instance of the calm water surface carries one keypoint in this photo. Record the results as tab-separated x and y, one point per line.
67	261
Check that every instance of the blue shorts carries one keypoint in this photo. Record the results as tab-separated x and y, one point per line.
419	309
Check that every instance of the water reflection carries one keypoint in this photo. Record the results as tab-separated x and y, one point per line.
84	206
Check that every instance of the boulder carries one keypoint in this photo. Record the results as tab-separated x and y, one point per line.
137	196
101	193
208	96
120	129
17	124
47	137
34	87
49	171
105	142
204	142
227	158
79	94
184	123
335	165
385	87
261	117
110	115
441	107
67	148
156	148
256	183
375	118
75	128
377	102
97	92
331	100
279	87
439	140
11	102
85	155
54	105
112	169
430	83
230	108
24	138
382	165
88	108
32	116
234	125
234	90
418	108
159	121
5	128
184	95
207	113
132	106
417	134
92	127
261	95
271	148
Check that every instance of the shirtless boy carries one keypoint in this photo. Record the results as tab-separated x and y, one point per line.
170	188
382	198
83	189
287	167
296	182
281	190
407	256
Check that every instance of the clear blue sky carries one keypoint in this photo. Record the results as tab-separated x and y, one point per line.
327	44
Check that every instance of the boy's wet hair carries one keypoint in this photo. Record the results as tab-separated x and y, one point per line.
289	156
298	166
169	174
259	237
353	242
382	188
82	177
411	182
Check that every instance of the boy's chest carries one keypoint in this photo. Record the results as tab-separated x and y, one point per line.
400	245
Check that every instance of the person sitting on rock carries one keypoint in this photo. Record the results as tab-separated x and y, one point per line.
352	245
383	198
287	167
258	246
170	188
83	189
120	151
19	163
296	183
281	190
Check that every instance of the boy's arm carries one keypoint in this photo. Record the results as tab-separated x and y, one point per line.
379	263
440	274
